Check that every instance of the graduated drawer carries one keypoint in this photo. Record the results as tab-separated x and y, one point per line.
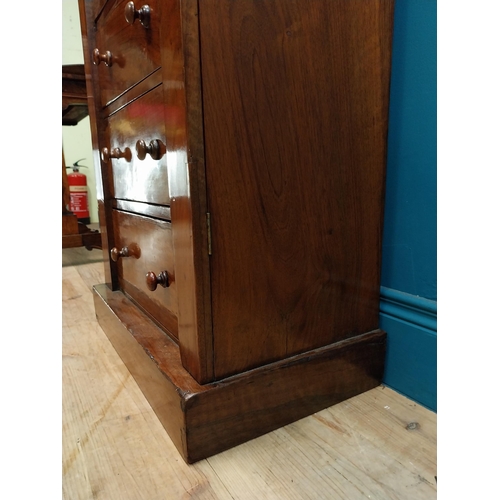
125	53
148	242
136	177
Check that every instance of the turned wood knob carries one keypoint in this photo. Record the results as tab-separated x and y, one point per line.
130	251
152	281
154	148
106	57
106	154
143	14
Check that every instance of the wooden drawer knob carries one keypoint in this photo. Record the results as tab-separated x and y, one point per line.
143	14
106	57
152	281
155	148
130	251
106	154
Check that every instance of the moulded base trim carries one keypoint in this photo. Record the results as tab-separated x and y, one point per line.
203	420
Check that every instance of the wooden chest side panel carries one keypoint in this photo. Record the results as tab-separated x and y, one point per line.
295	113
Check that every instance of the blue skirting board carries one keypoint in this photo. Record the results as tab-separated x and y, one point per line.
411	361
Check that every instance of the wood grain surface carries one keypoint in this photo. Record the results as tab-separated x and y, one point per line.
377	445
295	109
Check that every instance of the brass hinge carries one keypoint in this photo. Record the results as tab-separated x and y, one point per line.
209	234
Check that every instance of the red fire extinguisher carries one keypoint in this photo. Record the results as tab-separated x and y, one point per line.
78	193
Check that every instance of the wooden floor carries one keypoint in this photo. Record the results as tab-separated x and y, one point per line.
378	445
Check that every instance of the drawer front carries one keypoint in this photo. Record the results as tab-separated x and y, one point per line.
148	242
125	53
136	176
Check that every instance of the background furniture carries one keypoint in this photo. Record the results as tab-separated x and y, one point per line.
242	151
74	109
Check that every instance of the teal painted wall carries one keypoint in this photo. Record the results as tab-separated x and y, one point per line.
409	260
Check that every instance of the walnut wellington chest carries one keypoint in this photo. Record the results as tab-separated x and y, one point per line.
241	149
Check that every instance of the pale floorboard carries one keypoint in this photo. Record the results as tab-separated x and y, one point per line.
115	448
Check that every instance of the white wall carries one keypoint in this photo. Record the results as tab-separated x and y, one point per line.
76	140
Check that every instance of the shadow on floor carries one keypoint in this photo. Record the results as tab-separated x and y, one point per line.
79	256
